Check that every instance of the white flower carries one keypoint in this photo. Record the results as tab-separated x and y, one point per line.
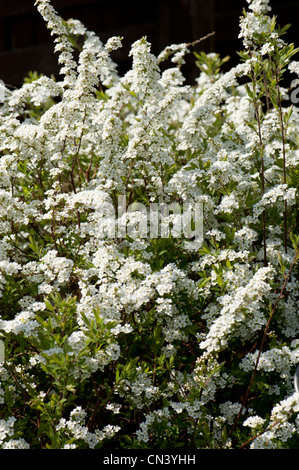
113	43
259	6
254	422
267	48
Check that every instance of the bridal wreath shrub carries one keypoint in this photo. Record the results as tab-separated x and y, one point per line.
117	338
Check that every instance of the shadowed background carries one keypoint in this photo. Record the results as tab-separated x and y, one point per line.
26	44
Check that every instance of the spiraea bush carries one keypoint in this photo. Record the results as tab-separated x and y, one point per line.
150	342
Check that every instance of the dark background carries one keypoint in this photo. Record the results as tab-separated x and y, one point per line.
26	44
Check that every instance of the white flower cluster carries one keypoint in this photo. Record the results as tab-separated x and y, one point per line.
280	360
140	391
76	430
259	6
254	422
252	24
240	314
6	435
145	427
283	425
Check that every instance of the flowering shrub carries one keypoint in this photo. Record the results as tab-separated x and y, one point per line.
149	342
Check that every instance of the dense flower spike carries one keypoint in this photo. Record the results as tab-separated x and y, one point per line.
117	337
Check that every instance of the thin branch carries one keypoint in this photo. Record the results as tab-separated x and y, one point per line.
259	434
19	386
283	137
189	44
258	118
263	342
